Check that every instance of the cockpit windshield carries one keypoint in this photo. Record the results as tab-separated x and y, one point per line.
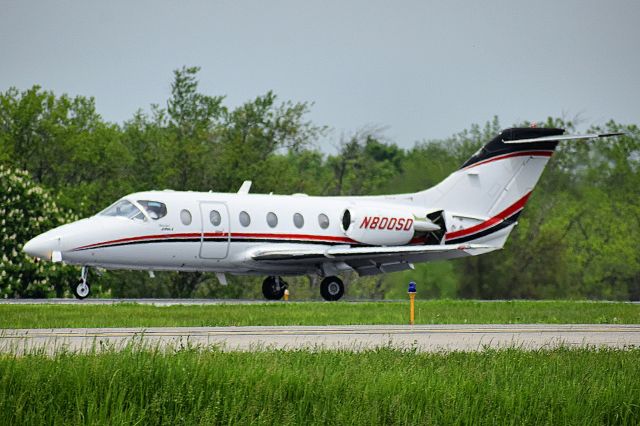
123	208
155	209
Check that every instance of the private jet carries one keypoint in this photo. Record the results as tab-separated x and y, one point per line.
469	213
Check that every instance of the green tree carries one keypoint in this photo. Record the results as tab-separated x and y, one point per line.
65	145
258	132
364	165
192	120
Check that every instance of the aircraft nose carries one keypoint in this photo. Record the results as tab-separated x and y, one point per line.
41	246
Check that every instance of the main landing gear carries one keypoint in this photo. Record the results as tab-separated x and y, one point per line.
331	288
273	288
81	290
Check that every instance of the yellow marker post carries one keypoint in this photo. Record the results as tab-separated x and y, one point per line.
286	294
412	300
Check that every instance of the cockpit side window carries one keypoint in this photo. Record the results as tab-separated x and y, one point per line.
122	208
140	216
155	209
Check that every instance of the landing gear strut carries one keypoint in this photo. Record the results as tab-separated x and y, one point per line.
81	290
331	288
273	288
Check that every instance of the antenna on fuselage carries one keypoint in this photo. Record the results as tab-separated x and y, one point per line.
246	186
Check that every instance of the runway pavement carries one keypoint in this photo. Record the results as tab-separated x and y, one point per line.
154	302
429	338
171	302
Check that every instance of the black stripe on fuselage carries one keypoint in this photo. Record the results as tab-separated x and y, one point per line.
495	228
221	240
132	243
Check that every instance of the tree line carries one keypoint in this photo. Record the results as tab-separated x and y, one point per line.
578	236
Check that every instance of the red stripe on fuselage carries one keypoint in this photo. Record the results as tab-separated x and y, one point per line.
284	237
140	238
511	155
515	207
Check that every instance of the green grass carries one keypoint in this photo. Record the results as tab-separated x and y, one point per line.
318	313
384	386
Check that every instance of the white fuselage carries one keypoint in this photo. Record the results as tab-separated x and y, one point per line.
169	243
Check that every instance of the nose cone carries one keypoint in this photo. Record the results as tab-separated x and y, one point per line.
41	246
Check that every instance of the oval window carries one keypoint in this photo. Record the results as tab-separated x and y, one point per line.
298	220
185	217
215	217
272	219
323	221
245	219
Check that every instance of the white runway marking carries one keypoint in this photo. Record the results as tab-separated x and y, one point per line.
429	338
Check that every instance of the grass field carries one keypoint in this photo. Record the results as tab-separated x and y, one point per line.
318	313
385	386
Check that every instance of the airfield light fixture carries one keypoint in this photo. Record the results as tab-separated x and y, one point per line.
412	300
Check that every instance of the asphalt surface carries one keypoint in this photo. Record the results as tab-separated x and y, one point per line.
171	302
428	338
155	302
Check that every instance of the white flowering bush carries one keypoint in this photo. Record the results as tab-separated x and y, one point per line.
26	210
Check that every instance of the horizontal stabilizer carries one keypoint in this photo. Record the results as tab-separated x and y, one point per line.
564	138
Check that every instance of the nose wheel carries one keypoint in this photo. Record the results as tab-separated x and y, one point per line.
82	289
273	288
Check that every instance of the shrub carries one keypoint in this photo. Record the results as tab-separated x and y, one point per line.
27	210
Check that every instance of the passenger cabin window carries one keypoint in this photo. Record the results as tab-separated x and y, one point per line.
215	218
323	221
122	208
272	219
185	217
245	219
154	209
298	220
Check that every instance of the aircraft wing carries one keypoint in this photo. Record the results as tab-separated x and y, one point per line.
368	260
565	137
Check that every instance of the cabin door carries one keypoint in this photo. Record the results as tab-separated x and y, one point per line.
215	235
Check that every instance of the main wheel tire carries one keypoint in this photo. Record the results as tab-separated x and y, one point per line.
81	290
272	290
331	289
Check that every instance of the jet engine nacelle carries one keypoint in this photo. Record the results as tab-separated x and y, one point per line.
378	226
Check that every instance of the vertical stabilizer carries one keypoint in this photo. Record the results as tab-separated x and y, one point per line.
483	199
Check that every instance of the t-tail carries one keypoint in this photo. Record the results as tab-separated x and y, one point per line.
480	203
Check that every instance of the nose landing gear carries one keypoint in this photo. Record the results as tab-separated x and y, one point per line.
273	288
82	289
